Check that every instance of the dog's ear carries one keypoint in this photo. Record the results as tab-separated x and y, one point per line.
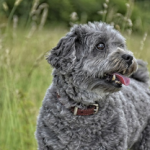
65	53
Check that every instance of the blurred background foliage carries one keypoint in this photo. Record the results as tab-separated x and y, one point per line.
28	30
59	12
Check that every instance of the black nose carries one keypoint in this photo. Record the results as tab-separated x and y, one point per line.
127	58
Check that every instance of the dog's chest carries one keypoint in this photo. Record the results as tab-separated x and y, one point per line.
91	131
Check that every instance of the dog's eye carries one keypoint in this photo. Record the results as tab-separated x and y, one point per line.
100	46
121	45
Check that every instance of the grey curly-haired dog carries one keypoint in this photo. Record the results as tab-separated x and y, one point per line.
92	103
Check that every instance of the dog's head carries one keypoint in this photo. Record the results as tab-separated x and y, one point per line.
94	56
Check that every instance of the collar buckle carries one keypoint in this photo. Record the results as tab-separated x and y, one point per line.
96	109
75	110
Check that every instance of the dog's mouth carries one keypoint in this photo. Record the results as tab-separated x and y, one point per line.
116	79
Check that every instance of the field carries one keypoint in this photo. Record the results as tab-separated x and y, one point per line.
24	77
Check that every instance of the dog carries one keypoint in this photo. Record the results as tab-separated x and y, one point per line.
99	98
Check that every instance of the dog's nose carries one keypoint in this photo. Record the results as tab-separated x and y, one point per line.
128	58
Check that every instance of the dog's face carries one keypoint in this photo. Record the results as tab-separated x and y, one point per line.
94	57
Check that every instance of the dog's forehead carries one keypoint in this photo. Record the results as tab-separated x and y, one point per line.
102	31
105	31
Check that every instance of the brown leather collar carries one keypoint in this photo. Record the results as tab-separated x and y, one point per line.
90	110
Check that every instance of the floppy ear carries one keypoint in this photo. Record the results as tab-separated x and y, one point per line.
64	54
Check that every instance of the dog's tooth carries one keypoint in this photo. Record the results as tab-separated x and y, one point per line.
118	82
114	77
124	71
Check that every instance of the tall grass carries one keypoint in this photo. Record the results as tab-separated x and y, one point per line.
24	78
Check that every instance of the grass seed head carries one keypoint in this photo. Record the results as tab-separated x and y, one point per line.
17	2
5	6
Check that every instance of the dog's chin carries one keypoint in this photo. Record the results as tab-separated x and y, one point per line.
105	86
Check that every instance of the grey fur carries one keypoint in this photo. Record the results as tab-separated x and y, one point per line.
123	119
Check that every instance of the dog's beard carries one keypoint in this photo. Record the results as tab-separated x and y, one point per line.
111	77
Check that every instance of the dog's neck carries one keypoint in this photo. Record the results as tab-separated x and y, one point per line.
72	95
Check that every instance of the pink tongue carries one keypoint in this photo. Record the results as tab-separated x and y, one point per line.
124	80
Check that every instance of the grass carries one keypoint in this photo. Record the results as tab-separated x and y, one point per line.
24	77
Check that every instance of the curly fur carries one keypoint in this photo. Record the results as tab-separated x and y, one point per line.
123	119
